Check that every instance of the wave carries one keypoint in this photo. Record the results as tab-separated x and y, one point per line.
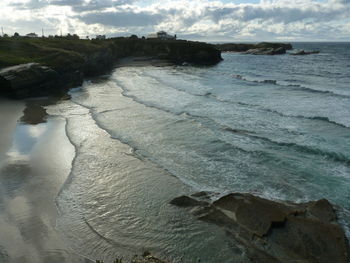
319	118
267	81
215	97
300	148
292	86
333	156
311	90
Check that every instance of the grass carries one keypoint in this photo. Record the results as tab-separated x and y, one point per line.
53	52
69	54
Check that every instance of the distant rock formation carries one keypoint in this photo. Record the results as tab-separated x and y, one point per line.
266	51
263	48
303	52
273	231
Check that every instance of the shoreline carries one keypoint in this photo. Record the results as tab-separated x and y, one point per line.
32	172
38	114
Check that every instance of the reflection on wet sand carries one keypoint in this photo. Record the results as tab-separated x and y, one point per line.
34	164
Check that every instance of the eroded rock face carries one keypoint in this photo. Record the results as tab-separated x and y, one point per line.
275	231
31	80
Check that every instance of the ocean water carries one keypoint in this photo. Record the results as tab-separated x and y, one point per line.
274	126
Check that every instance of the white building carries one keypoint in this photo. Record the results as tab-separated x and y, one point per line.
162	35
101	37
32	35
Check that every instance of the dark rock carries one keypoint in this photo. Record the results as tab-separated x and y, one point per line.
279	48
98	62
186	201
302	52
277	231
29	80
322	210
266	51
202	194
286	46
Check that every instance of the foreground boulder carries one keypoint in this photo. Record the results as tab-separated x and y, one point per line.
275	231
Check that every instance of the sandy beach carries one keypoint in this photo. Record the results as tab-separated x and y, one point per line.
35	160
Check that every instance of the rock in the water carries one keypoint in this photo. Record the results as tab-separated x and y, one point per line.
267	51
186	201
303	52
243	47
277	231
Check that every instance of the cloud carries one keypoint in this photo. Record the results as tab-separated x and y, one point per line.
76	5
122	18
195	19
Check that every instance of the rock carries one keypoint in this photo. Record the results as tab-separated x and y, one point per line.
322	210
234	47
31	80
302	52
186	201
23	80
266	51
276	231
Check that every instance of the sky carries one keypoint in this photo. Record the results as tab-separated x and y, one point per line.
203	20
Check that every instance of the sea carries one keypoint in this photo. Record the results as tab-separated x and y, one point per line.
274	126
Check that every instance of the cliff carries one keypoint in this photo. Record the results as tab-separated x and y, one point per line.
48	66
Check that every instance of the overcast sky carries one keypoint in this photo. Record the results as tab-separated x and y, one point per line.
225	20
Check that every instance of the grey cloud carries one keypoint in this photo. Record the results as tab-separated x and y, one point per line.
76	5
96	4
276	13
122	19
33	25
33	4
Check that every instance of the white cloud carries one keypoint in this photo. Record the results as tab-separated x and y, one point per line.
198	19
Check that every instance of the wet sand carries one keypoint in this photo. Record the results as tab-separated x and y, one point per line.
35	160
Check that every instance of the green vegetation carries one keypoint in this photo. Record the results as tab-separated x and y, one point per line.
71	52
53	52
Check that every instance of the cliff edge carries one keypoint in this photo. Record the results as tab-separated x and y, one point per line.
50	66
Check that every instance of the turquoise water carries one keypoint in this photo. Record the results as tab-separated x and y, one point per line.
275	126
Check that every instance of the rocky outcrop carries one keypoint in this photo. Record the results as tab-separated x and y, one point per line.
268	48
275	231
303	52
32	79
266	51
